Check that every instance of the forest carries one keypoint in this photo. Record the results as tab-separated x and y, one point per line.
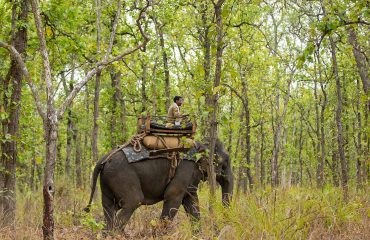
281	86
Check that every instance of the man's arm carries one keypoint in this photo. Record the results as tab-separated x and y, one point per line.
176	112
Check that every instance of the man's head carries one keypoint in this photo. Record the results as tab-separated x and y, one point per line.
178	100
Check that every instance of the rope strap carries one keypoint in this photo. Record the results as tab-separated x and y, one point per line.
135	142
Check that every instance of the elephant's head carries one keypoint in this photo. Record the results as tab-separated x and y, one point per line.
222	166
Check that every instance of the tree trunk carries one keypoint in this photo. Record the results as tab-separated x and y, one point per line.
338	117
320	164
77	140
300	143
322	130
95	131
116	99
50	123
86	149
13	84
94	143
60	165
366	149
291	159
69	143
241	170
206	61
70	127
230	132
242	181
216	83
358	143
360	60
123	122
50	126
165	67
247	134
277	133
262	161
323	103
144	98
334	168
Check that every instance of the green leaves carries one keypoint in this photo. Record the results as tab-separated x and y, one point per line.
306	55
89	221
217	89
328	26
3	116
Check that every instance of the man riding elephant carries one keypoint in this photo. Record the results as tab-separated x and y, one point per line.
174	115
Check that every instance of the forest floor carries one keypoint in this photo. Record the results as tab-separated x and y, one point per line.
295	213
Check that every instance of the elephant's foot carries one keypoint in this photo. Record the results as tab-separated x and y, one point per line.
122	217
162	228
106	233
170	207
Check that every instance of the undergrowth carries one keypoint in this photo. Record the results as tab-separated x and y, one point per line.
295	213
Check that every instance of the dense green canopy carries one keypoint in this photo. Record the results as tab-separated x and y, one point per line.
291	105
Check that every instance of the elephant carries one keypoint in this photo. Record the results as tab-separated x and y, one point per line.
125	186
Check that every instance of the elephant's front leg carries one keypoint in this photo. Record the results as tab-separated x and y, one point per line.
191	205
176	189
172	201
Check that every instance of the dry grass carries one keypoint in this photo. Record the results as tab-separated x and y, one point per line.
297	213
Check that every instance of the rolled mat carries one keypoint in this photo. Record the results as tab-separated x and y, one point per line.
162	142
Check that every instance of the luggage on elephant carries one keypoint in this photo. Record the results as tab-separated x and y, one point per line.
155	125
167	142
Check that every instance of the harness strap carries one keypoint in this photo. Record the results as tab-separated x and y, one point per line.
174	164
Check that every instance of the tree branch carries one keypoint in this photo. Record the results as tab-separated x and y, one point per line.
105	62
236	93
114	28
18	58
44	54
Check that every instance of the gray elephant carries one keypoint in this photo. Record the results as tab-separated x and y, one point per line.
125	186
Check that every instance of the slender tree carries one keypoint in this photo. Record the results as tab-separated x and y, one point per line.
11	105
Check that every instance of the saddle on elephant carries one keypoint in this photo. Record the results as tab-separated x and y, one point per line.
156	125
160	138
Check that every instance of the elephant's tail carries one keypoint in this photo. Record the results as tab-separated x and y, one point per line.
98	168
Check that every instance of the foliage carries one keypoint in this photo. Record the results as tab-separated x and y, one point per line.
277	67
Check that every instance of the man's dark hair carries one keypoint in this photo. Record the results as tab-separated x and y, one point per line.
176	98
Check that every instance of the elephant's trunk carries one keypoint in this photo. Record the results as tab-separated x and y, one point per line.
227	185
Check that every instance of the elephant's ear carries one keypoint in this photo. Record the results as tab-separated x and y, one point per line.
200	147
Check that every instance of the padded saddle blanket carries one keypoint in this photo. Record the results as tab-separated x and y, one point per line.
144	154
133	156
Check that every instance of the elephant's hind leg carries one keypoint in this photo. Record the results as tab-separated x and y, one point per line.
129	200
122	217
109	211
